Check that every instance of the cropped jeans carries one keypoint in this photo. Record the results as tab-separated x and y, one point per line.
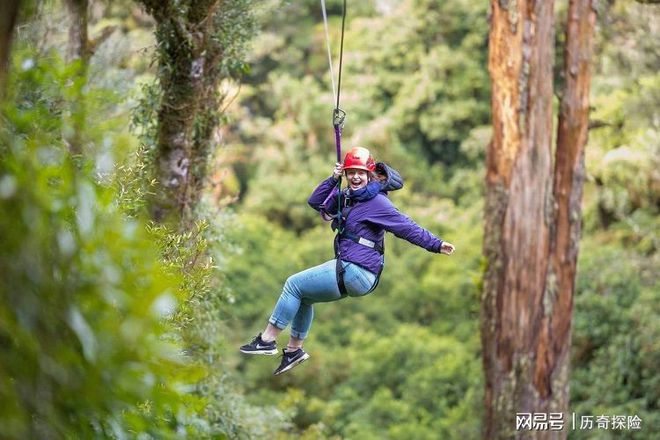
315	285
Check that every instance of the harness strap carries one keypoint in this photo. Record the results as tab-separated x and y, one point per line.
363	241
340	270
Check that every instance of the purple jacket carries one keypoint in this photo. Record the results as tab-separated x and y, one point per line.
370	219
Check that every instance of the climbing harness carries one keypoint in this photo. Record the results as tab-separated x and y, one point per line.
345	208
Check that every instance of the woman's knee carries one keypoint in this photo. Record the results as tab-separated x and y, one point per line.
291	287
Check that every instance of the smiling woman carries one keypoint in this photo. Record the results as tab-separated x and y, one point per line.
359	251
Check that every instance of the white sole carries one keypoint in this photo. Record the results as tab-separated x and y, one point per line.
302	359
267	352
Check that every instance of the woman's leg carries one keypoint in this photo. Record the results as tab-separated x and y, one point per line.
270	333
300	326
358	282
317	284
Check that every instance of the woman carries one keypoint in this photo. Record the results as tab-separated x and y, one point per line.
366	214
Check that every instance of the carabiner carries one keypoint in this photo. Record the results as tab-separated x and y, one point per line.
338	117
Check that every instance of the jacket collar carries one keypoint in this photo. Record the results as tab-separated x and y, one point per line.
367	193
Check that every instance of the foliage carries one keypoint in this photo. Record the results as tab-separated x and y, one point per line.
200	329
113	304
85	350
616	336
428	77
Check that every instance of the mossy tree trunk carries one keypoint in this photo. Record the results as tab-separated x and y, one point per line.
197	43
532	216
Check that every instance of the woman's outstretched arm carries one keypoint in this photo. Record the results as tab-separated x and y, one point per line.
385	215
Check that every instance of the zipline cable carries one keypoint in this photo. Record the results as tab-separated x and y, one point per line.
338	115
327	43
341	51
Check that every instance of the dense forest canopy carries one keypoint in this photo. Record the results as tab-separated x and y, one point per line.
112	324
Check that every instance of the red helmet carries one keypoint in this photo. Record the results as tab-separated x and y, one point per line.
359	158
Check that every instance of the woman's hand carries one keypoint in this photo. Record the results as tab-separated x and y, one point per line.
336	173
447	248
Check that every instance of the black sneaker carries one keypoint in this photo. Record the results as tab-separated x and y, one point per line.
258	346
290	360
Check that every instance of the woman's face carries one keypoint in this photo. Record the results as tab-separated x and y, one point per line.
357	178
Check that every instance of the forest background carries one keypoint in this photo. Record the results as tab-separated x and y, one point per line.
112	325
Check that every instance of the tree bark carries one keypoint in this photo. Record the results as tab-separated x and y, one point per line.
8	19
531	220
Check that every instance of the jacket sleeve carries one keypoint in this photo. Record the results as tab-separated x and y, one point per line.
389	218
324	197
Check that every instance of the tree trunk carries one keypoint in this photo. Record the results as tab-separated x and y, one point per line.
8	19
568	182
531	222
78	44
189	81
77	52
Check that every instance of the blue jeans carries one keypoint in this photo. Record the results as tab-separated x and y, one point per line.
315	285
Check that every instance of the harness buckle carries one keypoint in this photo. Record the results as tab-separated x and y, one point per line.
366	242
